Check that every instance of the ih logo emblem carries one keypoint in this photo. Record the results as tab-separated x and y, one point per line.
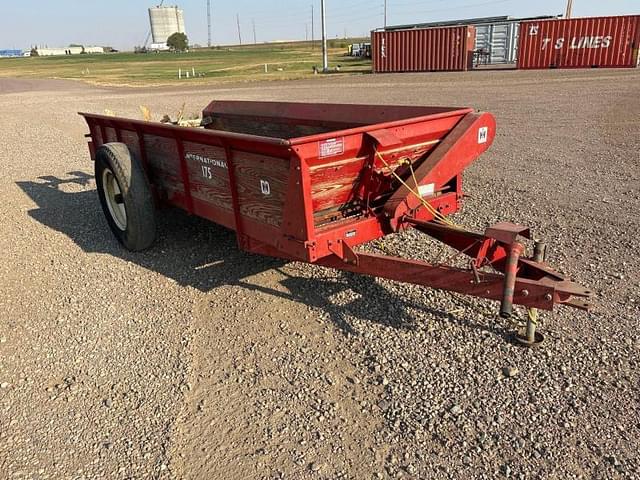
533	29
483	133
265	188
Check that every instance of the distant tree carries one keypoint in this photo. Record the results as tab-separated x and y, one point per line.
34	52
178	42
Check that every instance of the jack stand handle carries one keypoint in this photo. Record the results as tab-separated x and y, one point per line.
510	274
539	251
531	325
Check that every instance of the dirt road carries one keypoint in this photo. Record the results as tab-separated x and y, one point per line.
193	360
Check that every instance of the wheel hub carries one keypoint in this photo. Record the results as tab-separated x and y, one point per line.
114	199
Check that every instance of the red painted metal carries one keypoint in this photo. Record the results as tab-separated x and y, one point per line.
312	182
423	50
453	279
510	275
580	42
458	150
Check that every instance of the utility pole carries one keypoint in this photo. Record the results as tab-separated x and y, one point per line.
253	20
325	57
385	13
569	8
238	22
209	22
313	36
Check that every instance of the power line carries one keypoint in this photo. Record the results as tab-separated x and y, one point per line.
253	20
209	23
292	15
345	15
275	13
313	36
468	5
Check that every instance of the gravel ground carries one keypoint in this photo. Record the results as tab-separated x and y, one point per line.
194	360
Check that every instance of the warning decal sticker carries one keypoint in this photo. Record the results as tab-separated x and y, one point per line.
331	147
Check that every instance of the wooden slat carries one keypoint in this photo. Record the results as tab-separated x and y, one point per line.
96	133
111	135
130	139
215	190
335	184
184	174
266	127
162	154
249	170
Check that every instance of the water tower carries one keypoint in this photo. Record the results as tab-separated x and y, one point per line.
165	21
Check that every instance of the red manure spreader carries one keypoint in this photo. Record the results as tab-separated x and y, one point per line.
311	182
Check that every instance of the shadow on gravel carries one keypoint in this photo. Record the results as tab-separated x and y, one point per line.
200	254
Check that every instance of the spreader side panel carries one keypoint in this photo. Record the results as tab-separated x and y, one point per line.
132	141
208	175
261	183
110	134
348	176
164	166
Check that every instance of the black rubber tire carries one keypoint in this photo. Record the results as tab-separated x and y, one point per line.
140	231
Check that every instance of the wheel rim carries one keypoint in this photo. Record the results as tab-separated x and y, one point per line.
114	200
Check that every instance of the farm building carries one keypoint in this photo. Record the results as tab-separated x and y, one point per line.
10	53
94	50
75	50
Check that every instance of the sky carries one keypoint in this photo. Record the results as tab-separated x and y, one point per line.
125	23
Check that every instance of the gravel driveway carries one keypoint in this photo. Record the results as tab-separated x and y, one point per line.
194	360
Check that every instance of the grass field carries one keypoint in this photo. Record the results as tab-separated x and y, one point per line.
220	64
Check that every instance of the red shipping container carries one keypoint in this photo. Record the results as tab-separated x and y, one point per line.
423	50
580	42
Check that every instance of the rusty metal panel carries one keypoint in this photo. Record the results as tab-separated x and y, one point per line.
580	42
423	50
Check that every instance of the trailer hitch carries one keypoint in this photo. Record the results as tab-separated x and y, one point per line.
536	285
499	249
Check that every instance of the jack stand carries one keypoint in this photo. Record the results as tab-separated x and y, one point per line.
533	338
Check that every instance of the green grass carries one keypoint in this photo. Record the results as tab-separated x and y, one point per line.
219	64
